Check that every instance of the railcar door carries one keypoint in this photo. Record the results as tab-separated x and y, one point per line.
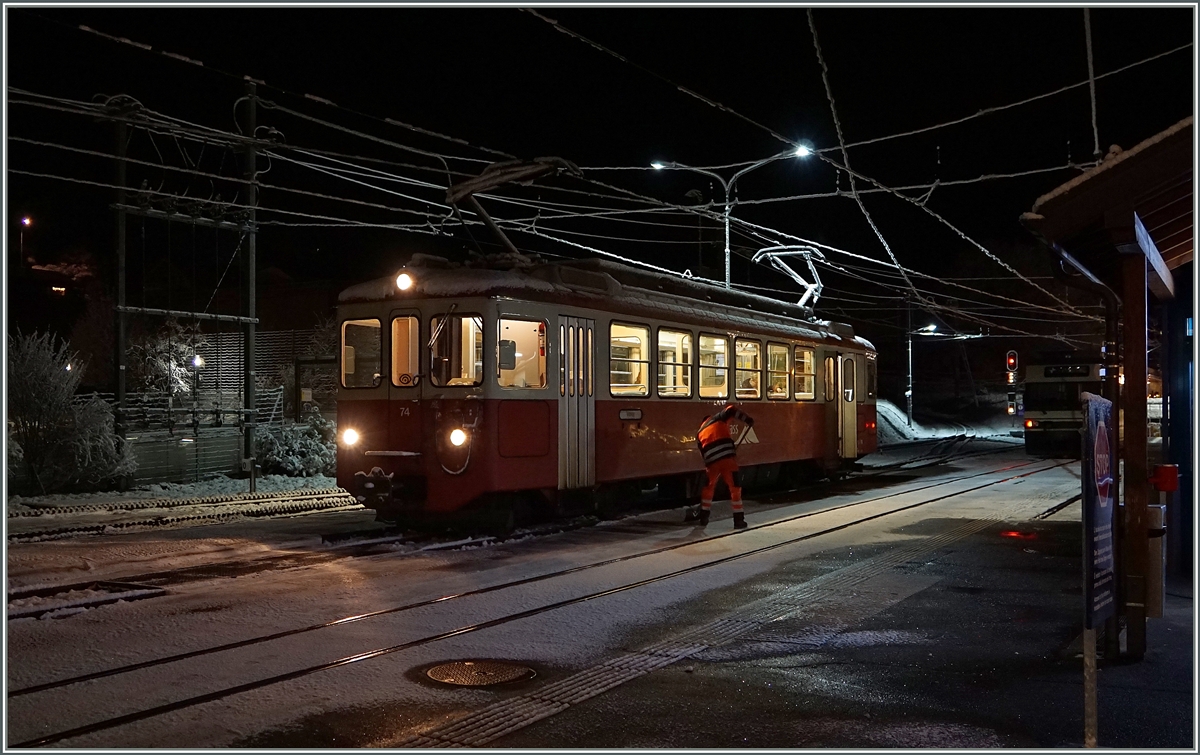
847	402
576	403
404	421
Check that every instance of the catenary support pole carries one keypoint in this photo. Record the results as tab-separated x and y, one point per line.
249	289
120	315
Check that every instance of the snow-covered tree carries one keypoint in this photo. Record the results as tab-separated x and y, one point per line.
302	450
66	441
162	359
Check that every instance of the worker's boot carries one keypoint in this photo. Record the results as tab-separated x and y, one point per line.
739	520
704	514
691	514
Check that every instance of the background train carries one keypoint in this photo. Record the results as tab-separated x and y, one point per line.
574	385
1053	408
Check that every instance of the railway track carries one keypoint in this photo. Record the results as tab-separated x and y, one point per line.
366	543
930	495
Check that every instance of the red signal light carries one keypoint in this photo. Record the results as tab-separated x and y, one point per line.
1010	361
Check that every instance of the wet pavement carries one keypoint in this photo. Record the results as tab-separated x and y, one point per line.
975	645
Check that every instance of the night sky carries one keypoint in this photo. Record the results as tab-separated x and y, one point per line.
507	80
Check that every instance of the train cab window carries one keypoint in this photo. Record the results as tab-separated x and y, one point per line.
456	350
830	378
777	371
848	379
674	364
748	371
872	377
629	355
805	366
405	355
362	351
714	366
521	354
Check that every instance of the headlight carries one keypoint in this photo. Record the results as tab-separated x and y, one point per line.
458	436
350	437
404	281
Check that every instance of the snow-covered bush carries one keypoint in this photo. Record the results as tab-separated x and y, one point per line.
66	441
162	360
301	450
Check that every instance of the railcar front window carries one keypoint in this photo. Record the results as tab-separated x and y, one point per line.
629	360
405	355
362	350
848	379
1057	397
777	371
872	377
521	354
749	368
674	364
456	354
830	379
714	366
806	374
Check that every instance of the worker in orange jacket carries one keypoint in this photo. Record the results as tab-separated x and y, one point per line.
720	462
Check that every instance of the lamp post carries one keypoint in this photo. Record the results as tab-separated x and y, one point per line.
802	151
25	223
927	330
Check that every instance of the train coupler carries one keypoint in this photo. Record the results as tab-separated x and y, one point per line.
373	490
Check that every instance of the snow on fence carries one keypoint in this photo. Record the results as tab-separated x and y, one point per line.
183	438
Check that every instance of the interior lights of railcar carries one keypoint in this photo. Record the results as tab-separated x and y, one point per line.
350	437
458	436
404	281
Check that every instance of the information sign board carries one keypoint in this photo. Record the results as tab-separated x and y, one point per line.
1099	585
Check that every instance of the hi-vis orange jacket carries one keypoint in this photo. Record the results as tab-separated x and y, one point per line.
713	437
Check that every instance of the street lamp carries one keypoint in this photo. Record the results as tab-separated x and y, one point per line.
927	330
25	223
801	151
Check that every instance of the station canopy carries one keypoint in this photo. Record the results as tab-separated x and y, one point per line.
1136	201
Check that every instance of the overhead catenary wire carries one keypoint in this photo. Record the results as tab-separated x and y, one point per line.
846	156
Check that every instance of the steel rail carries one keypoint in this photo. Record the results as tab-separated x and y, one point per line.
455	596
189	702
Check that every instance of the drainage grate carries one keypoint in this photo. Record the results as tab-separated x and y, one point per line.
479	673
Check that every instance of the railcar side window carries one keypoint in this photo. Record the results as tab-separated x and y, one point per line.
777	371
629	352
749	368
362	352
806	374
674	364
872	377
830	379
405	356
714	366
456	353
521	354
848	378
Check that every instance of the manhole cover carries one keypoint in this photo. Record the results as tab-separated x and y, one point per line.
479	673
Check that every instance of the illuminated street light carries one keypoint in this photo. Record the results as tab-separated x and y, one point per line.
804	150
25	223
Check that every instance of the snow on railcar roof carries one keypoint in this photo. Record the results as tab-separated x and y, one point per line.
602	279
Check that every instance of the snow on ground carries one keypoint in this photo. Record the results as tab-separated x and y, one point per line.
215	484
892	426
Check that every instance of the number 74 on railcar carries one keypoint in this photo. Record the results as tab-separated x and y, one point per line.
474	392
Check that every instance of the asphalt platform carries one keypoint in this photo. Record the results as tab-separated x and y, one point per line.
982	649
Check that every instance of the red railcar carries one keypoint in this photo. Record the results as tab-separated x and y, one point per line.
483	390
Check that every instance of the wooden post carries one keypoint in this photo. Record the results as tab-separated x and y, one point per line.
1137	488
